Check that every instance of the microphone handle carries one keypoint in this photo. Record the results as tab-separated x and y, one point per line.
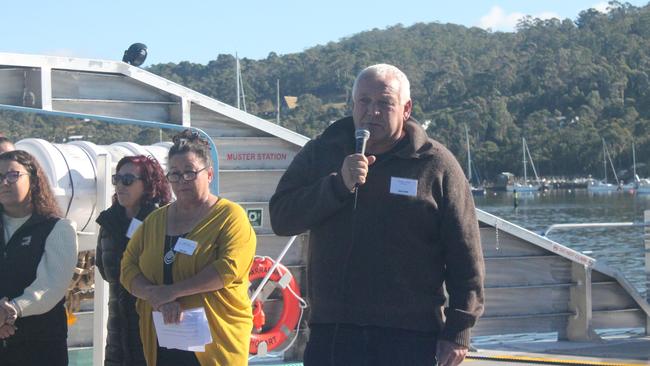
356	195
360	148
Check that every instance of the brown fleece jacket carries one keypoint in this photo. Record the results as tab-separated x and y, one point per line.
384	264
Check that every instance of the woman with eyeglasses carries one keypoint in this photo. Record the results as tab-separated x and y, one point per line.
193	253
140	188
38	254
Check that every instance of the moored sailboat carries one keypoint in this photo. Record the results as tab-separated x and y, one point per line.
525	185
479	189
596	186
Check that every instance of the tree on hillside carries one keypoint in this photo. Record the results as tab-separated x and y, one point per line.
562	84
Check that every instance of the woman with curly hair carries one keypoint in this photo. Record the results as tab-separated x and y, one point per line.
140	188
38	253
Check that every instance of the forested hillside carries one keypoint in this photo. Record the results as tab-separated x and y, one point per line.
562	84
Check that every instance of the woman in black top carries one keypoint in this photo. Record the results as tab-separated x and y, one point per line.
140	187
38	251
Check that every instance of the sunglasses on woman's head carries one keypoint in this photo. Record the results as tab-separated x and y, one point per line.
126	179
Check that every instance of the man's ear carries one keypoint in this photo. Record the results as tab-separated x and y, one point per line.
408	107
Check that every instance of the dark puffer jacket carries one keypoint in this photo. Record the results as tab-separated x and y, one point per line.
123	344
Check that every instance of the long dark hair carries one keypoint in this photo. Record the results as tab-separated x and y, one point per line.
156	187
190	141
41	195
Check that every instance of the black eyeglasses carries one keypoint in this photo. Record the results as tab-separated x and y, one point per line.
188	175
126	179
11	176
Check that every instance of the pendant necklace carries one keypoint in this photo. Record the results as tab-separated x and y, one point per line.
170	255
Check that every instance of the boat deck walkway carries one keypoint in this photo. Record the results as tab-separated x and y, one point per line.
626	351
606	352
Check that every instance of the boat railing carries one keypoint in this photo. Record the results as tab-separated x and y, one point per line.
581	295
591	225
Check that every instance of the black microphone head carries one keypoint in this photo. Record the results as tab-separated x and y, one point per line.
362	133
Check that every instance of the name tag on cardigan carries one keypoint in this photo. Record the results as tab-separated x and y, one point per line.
133	226
403	186
185	246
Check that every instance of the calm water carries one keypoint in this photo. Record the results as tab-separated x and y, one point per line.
620	248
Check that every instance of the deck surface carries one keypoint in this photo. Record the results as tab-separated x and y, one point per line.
608	352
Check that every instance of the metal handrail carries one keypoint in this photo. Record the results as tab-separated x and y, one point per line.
276	263
592	225
214	185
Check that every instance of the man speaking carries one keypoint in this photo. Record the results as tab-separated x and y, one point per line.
388	229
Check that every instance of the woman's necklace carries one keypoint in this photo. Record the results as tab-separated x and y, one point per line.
170	255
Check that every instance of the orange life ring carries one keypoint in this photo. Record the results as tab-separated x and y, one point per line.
290	316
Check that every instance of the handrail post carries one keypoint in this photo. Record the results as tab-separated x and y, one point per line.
579	326
646	242
100	308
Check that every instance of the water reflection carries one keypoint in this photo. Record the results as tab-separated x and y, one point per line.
621	248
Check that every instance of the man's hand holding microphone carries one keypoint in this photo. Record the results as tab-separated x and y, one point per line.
355	170
355	167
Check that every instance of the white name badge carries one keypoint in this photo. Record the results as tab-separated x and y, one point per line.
133	226
403	186
185	246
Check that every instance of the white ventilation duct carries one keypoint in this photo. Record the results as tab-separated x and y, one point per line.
72	172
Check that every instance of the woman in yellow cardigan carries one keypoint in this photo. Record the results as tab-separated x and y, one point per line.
210	272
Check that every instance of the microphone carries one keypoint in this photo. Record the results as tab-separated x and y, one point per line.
361	136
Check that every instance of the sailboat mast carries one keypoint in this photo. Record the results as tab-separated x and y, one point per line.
469	157
532	164
241	95
237	79
611	163
633	161
523	149
605	159
277	102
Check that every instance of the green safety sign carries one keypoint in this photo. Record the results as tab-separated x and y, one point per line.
254	216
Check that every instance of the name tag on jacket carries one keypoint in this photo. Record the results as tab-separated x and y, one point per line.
135	223
185	246
403	186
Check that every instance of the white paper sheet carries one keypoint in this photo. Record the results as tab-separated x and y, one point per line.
191	334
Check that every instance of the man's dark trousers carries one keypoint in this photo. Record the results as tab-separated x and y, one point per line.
352	345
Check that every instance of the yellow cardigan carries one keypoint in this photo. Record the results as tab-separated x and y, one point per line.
227	242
